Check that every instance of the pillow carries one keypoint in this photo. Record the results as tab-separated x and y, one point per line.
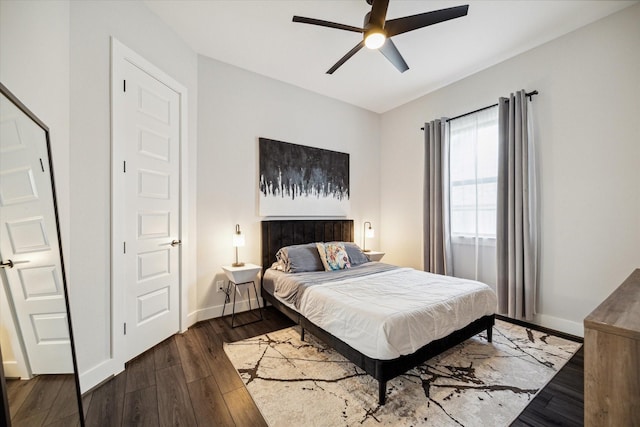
300	258
356	256
333	255
278	265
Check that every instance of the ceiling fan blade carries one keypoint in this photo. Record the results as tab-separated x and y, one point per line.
322	23
391	52
346	57
397	26
378	13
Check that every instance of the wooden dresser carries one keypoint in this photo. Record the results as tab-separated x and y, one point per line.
612	358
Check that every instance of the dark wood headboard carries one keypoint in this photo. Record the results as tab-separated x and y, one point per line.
276	234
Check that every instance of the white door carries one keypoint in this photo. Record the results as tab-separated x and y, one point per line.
29	238
150	120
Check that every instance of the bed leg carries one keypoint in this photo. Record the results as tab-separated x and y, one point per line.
301	333
382	392
490	334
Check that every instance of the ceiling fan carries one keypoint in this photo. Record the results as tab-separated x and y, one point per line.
377	32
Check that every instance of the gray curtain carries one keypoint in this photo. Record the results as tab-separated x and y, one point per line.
437	241
517	222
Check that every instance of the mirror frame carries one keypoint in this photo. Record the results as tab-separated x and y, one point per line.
4	402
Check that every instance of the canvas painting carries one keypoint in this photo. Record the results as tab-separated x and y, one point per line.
296	180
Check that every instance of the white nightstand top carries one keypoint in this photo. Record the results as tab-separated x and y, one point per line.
243	274
374	255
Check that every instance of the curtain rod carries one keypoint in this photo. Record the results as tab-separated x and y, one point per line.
528	95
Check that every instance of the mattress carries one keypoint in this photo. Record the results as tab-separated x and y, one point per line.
383	311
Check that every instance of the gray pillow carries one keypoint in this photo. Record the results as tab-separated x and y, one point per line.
300	258
356	256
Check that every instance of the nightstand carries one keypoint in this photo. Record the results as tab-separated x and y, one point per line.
374	255
240	276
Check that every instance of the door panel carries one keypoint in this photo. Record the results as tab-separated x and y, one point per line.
152	210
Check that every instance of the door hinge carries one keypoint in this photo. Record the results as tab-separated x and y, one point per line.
124	247
41	165
124	85
125	329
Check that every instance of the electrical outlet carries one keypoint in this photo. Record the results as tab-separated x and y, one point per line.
220	286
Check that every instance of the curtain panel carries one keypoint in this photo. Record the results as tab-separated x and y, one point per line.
437	240
517	219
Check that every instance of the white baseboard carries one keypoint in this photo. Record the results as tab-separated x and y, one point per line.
94	376
12	369
214	311
559	324
191	319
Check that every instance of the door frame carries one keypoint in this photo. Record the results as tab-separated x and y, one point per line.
121	54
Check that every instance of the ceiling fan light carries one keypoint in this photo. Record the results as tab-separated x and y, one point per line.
374	40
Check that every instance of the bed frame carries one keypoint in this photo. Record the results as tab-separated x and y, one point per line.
276	234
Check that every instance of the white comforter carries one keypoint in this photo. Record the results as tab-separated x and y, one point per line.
392	313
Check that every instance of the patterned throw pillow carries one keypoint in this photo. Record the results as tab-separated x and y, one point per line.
333	256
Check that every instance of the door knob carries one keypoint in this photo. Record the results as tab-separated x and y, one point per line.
6	264
176	242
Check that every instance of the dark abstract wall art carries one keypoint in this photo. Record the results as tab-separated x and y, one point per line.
299	180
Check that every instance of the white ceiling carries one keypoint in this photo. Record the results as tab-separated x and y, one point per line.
258	35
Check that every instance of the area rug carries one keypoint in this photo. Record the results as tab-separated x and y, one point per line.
476	383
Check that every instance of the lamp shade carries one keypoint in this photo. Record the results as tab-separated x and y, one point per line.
238	240
368	233
238	237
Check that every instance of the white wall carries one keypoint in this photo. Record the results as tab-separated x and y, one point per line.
92	24
588	148
236	107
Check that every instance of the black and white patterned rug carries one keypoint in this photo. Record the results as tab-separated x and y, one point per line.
476	383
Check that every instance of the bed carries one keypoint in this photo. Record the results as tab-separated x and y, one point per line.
384	357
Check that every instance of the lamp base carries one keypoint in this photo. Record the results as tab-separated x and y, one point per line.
237	264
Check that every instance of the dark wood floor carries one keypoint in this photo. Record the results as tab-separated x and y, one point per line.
45	400
187	380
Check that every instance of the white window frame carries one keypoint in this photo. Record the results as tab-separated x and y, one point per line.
466	238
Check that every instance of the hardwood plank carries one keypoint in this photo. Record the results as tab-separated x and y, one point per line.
141	408
86	402
65	407
141	371
174	403
70	421
39	401
18	391
166	354
31	419
192	358
208	403
107	403
243	409
226	375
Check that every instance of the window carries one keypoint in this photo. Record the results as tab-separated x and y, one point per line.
473	166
